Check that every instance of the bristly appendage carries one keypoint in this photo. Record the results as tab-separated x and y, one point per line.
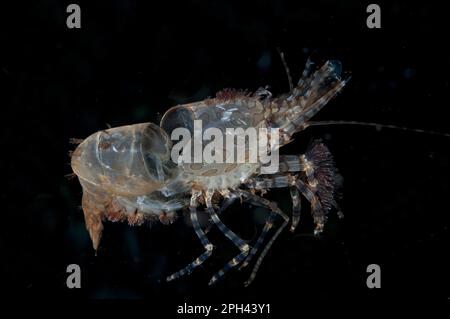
325	173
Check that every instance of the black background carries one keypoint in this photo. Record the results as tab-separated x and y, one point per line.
132	60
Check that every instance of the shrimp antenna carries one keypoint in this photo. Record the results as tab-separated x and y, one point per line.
377	126
286	68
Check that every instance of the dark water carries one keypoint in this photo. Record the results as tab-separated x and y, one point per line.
132	60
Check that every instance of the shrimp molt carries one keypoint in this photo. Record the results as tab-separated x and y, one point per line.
127	173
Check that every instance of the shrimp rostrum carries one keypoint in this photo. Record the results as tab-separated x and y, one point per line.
136	173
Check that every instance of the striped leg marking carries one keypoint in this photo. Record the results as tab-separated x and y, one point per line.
227	202
267	227
242	245
256	200
203	239
316	207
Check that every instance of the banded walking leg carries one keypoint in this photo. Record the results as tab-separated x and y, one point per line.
267	227
279	181
316	207
203	239
242	245
226	203
256	200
